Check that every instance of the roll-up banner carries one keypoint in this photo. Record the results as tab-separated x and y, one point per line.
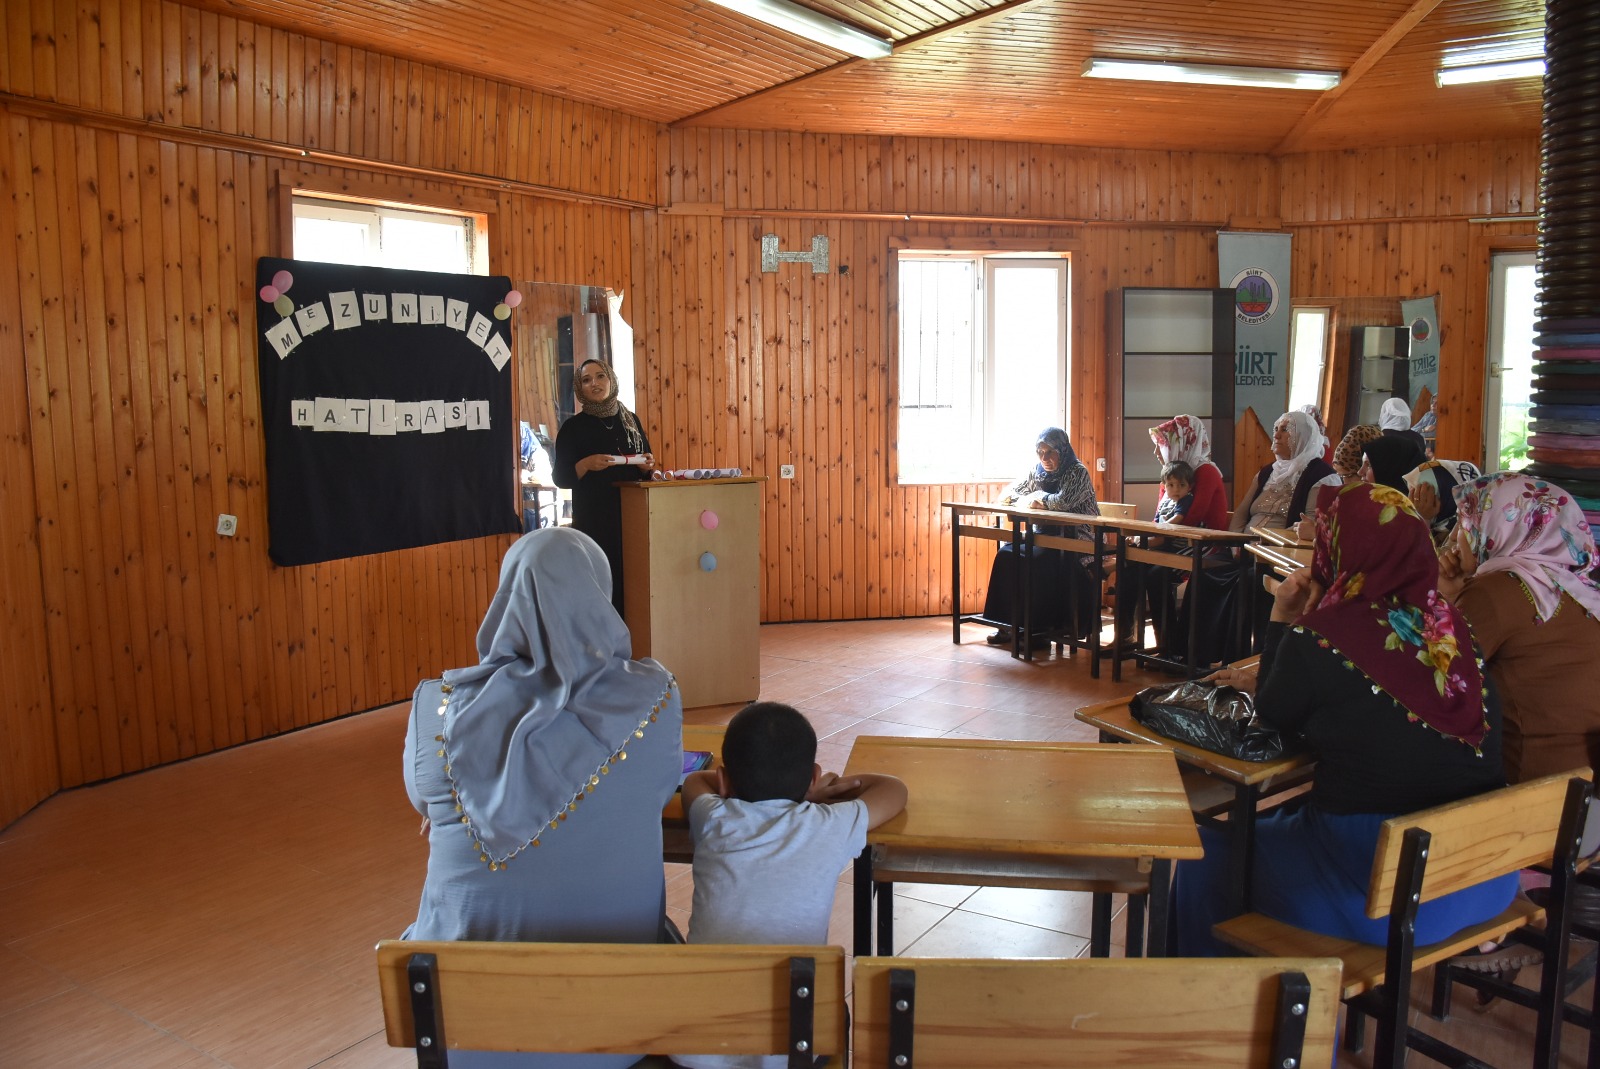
1422	320
1257	266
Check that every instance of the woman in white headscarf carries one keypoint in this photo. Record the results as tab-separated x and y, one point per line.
542	772
1279	494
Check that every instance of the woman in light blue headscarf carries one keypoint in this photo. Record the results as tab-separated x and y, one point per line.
542	771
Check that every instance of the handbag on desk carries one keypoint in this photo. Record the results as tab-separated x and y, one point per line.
1220	719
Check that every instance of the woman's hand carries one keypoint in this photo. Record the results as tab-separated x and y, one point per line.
1306	529
592	462
1238	678
649	464
1425	496
1297	593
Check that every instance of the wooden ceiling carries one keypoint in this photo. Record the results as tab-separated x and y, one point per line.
986	69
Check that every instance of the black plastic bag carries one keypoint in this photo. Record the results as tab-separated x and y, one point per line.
1220	719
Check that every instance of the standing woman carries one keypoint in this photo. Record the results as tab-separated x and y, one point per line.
1058	483
1519	572
541	772
588	448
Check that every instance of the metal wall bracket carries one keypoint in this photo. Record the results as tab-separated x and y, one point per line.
427	1014
817	257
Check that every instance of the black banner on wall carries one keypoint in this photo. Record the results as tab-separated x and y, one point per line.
386	403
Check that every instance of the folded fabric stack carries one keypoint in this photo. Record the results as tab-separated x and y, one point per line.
1565	441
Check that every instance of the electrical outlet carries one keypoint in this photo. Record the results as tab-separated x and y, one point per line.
1099	463
227	526
786	471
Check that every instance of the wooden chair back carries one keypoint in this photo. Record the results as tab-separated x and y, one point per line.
1118	509
1474	839
611	998
1034	1014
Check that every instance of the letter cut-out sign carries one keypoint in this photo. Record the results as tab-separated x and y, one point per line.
386	402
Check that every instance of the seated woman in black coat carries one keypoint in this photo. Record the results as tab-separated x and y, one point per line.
1377	673
1282	488
1059	483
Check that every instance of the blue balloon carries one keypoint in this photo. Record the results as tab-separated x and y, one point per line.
708	562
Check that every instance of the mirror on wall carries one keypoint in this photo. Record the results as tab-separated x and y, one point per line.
558	327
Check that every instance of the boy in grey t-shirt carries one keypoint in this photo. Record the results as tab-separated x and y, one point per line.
771	834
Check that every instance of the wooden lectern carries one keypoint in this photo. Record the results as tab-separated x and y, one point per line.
692	584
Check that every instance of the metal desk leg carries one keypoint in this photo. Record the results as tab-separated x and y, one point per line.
1160	903
1134	933
1100	925
1242	832
1095	581
885	895
1194	614
863	903
955	576
1023	635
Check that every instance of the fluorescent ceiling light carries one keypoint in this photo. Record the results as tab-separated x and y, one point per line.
1489	72
1209	74
813	26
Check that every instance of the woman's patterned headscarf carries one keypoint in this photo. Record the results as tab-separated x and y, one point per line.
1534	530
1182	438
1382	611
1347	455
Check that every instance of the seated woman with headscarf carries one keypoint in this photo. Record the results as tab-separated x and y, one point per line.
1059	483
542	771
1388	459
1394	418
1376	672
1347	454
1182	439
1281	489
1519	573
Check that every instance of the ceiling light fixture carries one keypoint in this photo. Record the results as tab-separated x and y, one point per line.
812	25
1489	72
1209	74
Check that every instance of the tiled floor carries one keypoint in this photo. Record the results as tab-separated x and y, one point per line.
223	911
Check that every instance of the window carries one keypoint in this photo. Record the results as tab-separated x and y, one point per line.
1308	356
373	234
983	361
1513	284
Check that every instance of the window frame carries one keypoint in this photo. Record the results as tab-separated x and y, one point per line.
982	250
402	197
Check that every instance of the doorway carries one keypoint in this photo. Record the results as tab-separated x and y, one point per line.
1513	283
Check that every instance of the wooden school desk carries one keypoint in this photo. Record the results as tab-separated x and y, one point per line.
1017	814
1020	528
1219	785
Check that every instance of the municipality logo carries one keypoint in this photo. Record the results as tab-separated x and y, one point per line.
1421	329
1257	296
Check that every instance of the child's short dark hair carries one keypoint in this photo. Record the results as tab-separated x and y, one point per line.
769	751
1180	471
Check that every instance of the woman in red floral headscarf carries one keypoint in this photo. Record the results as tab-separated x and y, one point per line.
1377	673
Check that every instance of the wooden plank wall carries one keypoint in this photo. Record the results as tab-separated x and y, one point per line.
757	370
141	139
1410	222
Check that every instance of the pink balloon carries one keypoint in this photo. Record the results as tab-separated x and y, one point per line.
283	280
708	520
269	294
513	299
